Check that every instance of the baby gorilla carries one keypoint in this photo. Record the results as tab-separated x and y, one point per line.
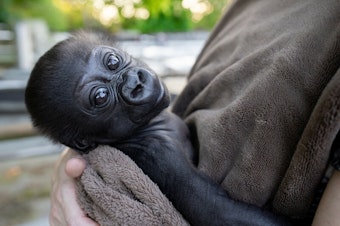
84	92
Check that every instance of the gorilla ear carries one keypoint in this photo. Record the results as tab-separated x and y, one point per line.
83	146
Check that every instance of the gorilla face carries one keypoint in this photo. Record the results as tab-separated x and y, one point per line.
120	90
90	94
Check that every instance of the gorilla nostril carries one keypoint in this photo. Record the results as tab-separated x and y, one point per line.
141	76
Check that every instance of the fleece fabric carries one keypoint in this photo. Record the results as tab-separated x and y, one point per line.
113	190
263	107
263	101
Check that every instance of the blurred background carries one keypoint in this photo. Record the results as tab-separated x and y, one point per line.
166	34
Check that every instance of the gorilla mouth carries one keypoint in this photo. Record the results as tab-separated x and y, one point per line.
137	91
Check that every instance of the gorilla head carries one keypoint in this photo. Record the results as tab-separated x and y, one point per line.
84	91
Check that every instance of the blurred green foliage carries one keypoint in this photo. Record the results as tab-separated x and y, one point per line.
164	15
144	16
13	10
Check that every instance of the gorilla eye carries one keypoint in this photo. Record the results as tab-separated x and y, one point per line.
113	62
101	96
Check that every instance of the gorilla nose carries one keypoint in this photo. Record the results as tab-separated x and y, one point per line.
138	86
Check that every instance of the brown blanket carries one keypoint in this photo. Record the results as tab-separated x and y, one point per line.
263	100
114	191
263	106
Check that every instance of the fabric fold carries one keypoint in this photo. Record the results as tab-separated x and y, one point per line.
113	190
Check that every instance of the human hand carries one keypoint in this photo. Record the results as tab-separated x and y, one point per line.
64	207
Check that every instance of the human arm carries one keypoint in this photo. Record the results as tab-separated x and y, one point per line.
328	210
64	207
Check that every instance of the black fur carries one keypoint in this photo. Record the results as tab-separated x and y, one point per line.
129	114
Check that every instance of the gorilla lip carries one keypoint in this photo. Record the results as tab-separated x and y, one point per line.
137	91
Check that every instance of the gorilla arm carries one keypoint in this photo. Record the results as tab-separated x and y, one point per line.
160	155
